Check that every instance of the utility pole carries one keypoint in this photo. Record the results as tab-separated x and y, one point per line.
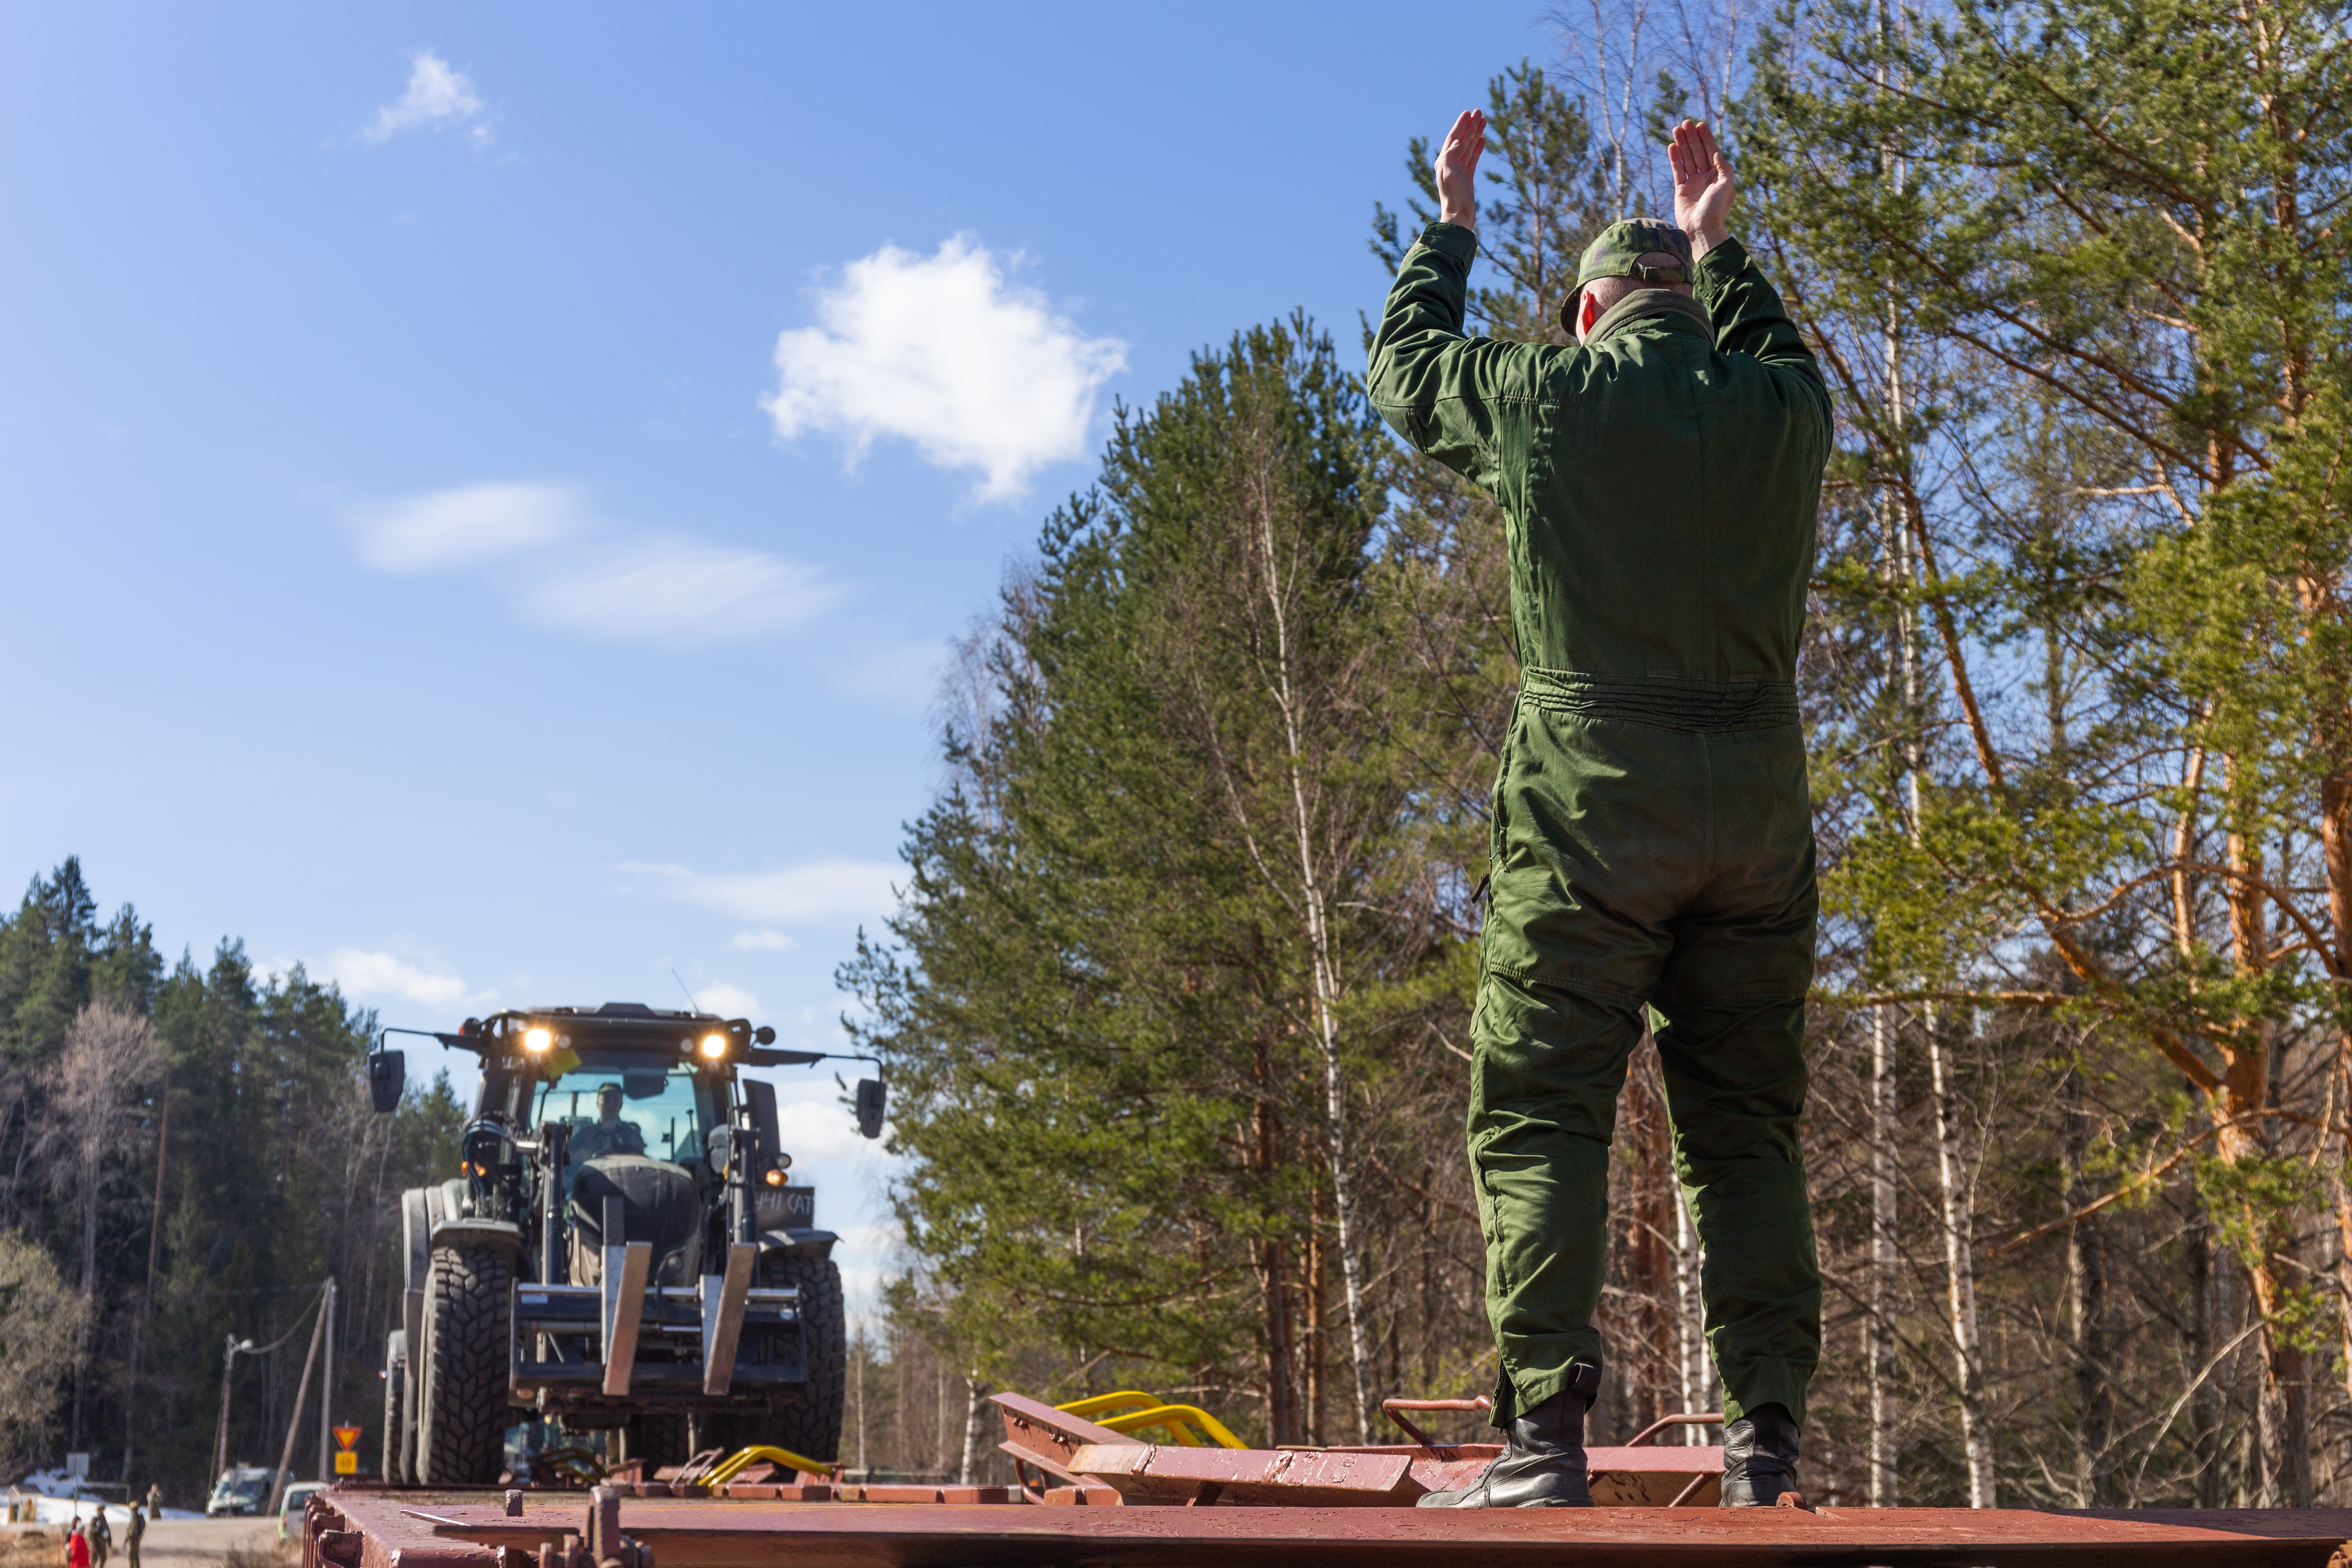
220	1437
302	1387
327	1388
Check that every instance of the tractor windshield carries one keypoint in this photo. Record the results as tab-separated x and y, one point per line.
613	1107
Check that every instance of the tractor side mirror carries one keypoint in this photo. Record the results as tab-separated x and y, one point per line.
387	1077
760	1099
871	1106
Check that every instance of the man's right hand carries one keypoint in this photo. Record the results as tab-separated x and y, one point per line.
1457	170
1703	189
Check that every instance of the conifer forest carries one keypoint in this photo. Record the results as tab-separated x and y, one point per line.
1175	1006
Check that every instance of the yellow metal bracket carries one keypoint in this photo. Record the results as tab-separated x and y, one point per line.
1187	1423
742	1460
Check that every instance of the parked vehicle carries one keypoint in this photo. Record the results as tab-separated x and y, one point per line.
241	1489
289	1510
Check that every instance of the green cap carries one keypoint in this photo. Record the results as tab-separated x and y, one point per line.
1618	253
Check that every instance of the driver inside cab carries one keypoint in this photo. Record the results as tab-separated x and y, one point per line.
608	1134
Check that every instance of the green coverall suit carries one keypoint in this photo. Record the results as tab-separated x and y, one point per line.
1653	839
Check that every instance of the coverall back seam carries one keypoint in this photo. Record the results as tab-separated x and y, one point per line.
1708	566
1711	836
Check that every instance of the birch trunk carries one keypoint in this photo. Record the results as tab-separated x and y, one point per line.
1697	1365
975	1406
1958	1192
860	1352
1325	970
1884	1404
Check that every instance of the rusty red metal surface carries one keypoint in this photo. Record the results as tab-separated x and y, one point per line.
1148	1473
1048	1446
1041	1441
1667	1422
420	1528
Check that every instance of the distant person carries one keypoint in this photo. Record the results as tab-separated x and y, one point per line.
101	1538
76	1546
154	1499
132	1532
608	1134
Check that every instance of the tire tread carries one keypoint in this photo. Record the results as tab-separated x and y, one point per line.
463	1412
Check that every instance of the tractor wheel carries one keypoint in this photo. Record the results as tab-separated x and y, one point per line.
395	1409
811	1425
462	1415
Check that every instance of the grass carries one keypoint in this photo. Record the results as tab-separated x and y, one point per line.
39	1547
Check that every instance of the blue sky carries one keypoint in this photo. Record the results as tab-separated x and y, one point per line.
488	486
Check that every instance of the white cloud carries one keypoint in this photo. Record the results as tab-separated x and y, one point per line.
727	1001
945	352
762	941
574	571
679	593
443	529
817	1126
824	889
388	977
439	97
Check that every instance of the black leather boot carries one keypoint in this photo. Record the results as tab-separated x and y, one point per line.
1542	1464
1760	1459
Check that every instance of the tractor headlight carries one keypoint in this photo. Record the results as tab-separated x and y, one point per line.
713	1046
536	1041
775	1175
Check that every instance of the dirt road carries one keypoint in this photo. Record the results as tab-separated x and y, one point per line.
170	1544
205	1542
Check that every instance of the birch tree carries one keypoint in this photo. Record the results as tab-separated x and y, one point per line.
111	1056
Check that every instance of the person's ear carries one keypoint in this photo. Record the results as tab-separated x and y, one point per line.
1588	311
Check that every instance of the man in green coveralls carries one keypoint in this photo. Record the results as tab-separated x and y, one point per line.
1653	840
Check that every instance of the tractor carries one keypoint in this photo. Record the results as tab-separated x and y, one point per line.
623	1251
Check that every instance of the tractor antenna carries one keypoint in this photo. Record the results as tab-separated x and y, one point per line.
689	995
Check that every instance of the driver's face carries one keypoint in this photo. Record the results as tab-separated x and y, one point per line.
608	1105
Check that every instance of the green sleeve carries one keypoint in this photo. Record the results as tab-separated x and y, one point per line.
1465	401
1750	320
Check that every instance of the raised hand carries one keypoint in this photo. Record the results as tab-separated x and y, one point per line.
1702	188
1457	169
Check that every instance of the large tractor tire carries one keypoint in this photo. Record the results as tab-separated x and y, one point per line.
811	1425
398	1456
462	1415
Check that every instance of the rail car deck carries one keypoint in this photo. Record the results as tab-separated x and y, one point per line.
1089	1497
428	1528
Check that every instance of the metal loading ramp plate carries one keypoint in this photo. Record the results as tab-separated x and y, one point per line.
472	1530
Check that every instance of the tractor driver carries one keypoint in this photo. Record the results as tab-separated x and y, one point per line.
1653	841
608	1134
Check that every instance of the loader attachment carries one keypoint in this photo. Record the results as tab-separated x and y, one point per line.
578	1346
